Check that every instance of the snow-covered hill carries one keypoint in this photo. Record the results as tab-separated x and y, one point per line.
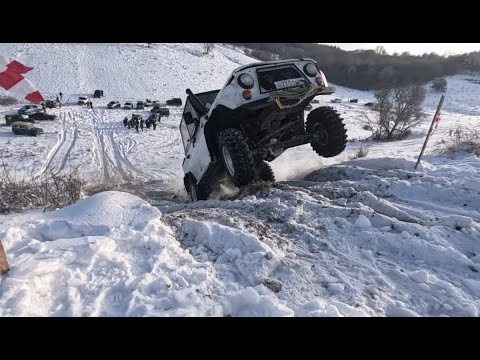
125	71
372	237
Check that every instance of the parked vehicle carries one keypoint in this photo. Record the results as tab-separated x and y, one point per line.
11	118
128	105
83	100
161	111
30	109
42	116
113	104
174	102
52	104
25	128
140	105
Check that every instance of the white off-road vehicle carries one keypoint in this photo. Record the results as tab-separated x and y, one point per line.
253	119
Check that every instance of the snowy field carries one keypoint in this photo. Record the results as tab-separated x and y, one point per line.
369	237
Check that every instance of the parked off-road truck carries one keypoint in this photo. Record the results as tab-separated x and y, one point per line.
253	119
26	128
11	118
42	116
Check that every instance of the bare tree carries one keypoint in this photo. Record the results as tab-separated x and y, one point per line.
208	47
439	84
380	50
397	112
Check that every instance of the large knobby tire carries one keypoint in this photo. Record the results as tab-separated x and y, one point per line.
265	172
327	123
237	157
196	192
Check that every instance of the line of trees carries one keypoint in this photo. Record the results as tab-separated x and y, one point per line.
369	69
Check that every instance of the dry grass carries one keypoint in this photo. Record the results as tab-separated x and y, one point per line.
49	190
360	151
461	140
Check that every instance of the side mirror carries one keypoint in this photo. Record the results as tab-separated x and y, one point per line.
188	118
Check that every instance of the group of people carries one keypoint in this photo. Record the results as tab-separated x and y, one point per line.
135	123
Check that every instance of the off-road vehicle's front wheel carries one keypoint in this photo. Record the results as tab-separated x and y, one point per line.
265	172
195	192
328	125
237	157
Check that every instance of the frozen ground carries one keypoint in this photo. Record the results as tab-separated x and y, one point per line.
368	238
372	237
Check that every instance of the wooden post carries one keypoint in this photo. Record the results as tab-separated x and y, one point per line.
3	261
430	130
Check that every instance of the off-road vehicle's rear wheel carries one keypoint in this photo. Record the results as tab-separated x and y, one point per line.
196	192
265	172
328	125
237	157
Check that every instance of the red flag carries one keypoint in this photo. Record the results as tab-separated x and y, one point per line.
12	79
18	67
438	117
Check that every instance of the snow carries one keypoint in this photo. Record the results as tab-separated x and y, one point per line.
362	222
335	237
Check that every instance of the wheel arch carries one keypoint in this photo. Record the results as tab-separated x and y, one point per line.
220	119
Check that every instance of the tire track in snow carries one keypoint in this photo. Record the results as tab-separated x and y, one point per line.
57	158
52	154
99	149
112	154
72	143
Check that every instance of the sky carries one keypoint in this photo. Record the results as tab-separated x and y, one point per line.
413	48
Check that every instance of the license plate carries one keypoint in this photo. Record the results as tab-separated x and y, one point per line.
287	83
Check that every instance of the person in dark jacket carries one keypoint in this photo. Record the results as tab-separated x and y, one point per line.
125	121
141	124
136	125
154	124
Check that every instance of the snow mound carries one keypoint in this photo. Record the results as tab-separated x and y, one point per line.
363	222
112	255
111	209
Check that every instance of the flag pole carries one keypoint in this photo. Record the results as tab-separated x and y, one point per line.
430	130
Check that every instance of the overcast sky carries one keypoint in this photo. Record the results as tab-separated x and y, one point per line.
414	48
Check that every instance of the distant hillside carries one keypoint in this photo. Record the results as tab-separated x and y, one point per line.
125	71
369	69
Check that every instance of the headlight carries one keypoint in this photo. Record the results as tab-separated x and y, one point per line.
310	69
246	81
